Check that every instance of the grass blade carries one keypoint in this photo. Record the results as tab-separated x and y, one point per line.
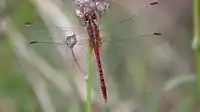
88	82
196	40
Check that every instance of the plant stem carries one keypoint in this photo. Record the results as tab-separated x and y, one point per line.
88	83
196	41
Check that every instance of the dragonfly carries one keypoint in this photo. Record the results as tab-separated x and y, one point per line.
95	40
90	16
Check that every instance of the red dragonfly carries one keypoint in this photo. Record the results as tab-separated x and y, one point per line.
90	18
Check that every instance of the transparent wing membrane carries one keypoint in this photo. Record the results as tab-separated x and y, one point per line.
38	31
85	41
117	32
131	18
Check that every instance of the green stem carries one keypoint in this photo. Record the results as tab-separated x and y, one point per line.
196	42
88	83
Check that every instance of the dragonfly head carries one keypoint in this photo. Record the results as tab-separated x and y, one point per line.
82	8
85	13
99	5
91	9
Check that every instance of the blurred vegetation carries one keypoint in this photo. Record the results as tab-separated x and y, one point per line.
147	74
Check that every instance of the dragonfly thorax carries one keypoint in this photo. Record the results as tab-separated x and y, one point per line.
85	12
90	9
95	42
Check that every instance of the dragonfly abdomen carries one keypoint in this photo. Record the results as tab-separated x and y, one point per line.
101	75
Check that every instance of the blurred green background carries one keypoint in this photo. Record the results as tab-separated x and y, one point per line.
143	73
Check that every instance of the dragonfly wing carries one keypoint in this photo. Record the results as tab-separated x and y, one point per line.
41	32
39	27
124	40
